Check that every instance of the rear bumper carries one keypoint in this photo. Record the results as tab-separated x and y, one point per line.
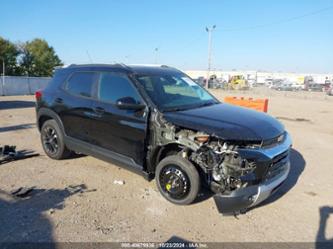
247	197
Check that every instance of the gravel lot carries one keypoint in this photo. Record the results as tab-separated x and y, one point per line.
77	200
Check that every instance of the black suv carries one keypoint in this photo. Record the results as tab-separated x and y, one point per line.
156	121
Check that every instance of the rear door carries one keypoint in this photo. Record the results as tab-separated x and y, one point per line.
75	104
121	131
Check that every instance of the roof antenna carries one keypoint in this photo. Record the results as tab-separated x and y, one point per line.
91	61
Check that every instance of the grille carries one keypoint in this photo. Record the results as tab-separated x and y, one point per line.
278	165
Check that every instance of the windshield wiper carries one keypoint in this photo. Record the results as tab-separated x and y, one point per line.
174	109
206	104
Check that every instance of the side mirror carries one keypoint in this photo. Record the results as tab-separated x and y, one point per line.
128	103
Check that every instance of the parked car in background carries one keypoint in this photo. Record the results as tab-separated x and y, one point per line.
200	81
297	87
327	85
274	83
252	83
330	91
286	85
215	83
314	87
308	80
268	82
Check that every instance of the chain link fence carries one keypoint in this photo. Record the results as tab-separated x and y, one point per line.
20	85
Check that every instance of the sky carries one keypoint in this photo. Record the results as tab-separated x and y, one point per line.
280	35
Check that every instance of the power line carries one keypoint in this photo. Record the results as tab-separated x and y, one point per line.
185	46
89	57
193	41
291	19
287	20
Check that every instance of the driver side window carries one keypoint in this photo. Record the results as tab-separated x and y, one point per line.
114	87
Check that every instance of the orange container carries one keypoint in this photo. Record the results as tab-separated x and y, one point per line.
256	104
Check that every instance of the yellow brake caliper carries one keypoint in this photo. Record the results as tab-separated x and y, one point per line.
168	186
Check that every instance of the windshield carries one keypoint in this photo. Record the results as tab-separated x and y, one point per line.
175	92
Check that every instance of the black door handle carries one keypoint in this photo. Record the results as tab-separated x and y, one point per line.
99	110
59	100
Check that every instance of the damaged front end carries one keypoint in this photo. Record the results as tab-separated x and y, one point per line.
240	173
243	174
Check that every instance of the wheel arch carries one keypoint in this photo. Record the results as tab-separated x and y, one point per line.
45	114
160	152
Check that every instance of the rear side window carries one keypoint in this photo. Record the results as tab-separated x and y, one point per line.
81	83
115	87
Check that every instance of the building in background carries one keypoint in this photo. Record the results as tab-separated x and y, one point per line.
256	77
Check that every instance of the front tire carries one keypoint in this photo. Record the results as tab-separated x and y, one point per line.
53	141
177	180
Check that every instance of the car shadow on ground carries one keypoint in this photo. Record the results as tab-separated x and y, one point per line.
322	242
17	127
74	155
298	164
176	241
25	218
203	195
15	104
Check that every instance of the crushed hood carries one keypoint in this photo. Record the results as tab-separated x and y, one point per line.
228	122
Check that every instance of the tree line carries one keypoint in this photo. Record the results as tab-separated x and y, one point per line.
31	58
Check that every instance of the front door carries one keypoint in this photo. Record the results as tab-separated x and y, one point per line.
118	130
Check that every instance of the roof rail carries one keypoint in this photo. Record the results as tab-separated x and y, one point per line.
95	64
123	65
63	66
149	65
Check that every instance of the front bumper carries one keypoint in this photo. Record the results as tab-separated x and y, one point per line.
250	196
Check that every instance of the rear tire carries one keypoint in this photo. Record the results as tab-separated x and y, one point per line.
53	141
177	180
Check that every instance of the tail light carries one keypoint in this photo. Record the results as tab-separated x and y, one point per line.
38	95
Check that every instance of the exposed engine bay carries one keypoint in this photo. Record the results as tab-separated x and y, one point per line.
223	164
224	168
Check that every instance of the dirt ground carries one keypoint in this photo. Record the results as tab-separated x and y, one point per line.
77	200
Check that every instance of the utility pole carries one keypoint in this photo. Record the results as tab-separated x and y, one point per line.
127	59
209	30
156	51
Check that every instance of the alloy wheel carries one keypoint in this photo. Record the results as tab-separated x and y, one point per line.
50	140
